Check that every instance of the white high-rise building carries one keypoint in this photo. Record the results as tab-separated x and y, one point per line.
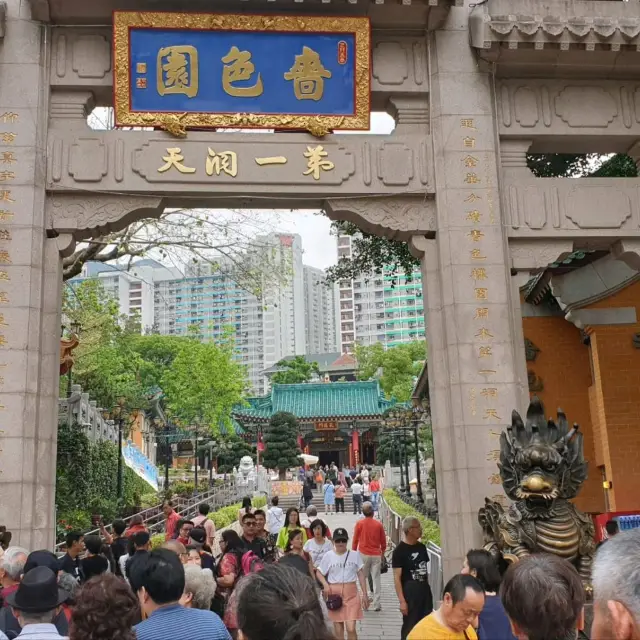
267	325
321	307
386	308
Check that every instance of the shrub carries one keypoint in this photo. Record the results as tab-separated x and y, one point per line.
228	515
430	528
157	540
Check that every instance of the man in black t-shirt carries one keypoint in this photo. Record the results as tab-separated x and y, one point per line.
70	562
119	544
249	537
411	577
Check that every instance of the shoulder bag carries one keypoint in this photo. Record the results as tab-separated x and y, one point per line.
334	601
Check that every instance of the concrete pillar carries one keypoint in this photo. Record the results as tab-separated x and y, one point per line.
30	282
469	308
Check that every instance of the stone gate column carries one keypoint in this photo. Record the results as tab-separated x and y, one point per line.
472	359
29	289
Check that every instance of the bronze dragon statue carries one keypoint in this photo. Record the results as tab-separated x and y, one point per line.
542	467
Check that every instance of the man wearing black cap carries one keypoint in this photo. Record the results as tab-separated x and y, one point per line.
9	623
197	540
36	603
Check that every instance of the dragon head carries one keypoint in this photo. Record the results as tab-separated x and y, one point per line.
541	461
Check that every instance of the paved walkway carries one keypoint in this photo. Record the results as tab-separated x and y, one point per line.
380	625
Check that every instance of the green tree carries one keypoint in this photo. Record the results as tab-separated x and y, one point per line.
371	254
396	368
281	443
295	370
204	381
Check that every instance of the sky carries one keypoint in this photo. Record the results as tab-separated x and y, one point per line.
319	247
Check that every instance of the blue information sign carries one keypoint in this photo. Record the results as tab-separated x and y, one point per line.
252	71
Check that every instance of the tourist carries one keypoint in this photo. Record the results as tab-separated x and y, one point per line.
199	588
247	507
94	563
612	529
333	473
249	537
35	604
319	478
70	562
105	609
202	520
329	493
366	491
341	492
140	543
11	570
374	487
178	548
291	523
197	540
295	556
544	598
457	616
616	578
228	572
307	494
353	474
318	545
364	474
275	517
356	492
171	522
9	623
182	531
410	562
158	580
339	572
118	542
263	534
136	524
278	603
312	514
370	540
494	623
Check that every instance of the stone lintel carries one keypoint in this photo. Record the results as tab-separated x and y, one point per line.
592	317
241	166
533	255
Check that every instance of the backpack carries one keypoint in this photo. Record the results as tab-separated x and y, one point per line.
251	563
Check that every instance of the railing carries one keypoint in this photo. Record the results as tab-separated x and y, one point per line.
153	518
392	523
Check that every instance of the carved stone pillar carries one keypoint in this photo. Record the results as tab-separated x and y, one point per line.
472	360
30	282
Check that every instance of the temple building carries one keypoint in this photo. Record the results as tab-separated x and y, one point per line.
339	421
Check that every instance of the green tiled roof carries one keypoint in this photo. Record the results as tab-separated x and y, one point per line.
318	400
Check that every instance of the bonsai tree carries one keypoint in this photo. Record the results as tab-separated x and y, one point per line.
281	443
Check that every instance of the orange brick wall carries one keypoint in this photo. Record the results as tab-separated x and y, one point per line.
564	367
617	393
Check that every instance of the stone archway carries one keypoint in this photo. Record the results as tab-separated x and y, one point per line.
451	180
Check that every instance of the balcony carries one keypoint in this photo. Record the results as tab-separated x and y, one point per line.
573	37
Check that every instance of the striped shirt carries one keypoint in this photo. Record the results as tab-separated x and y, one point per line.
175	623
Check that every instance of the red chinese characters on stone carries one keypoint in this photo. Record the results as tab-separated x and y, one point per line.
342	52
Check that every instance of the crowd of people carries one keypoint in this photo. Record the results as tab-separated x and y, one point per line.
334	483
292	578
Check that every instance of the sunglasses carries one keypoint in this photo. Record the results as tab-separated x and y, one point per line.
341	541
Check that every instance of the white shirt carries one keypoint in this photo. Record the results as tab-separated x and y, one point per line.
356	489
40	632
365	488
337	569
365	475
317	551
275	520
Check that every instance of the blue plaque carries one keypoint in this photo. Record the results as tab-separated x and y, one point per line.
179	71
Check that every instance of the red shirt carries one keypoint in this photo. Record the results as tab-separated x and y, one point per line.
374	486
6	591
172	523
369	537
136	528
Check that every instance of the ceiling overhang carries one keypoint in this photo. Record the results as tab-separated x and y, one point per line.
558	37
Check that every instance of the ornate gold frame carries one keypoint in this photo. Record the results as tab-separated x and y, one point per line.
177	123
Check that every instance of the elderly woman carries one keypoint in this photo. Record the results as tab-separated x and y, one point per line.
199	588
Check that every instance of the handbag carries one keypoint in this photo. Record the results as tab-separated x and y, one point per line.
384	565
335	601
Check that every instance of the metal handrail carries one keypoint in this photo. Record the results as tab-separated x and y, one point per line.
153	517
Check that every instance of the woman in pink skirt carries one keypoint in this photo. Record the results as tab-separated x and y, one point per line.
339	572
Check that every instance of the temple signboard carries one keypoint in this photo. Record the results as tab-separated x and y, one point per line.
326	425
178	71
